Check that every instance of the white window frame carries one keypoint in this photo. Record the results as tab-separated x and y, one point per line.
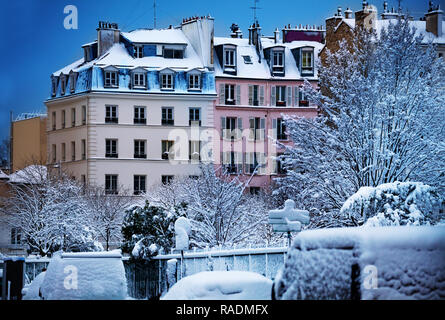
167	83
139	80
194	81
229	57
138	51
275	55
306	68
110	81
281	94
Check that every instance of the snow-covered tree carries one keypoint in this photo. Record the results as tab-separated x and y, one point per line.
382	119
107	213
397	203
50	212
148	230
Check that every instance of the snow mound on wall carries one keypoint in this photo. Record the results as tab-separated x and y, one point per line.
31	291
221	285
100	276
397	203
410	263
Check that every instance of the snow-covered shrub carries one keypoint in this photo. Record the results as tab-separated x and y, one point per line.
398	203
148	230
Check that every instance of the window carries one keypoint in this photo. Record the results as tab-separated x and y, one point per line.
229	58
63	118
173	53
84	149
232	162
73	78
195	150
111	79
111	183
139	149
280	167
54	153
63	152
257	128
251	162
54	86
73	151
139	80
307	61
231	127
167	81
229	94
302	99
138	52
16	236
254	97
139	115
278	59
194	117
139	184
194	82
111	114
73	117
247	59
254	190
167	179
84	115
167	116
281	129
281	96
111	148
63	84
167	150
54	120
83	180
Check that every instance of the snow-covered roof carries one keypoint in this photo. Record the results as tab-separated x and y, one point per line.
30	174
68	68
419	25
261	70
164	36
3	175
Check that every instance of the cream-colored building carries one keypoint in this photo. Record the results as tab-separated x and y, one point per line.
113	114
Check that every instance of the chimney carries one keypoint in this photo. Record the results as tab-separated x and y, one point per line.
203	44
366	17
434	19
236	31
339	12
107	35
276	35
348	13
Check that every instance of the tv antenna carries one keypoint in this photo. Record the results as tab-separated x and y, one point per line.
154	14
255	8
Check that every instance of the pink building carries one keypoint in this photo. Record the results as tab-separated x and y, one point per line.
258	81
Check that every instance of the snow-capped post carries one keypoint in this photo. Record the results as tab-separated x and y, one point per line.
182	232
288	219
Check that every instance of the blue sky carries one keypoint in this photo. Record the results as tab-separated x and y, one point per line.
35	43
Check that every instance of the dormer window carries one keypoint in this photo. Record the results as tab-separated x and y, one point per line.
138	52
173	53
139	80
73	78
54	86
111	78
307	61
194	81
167	80
278	59
229	58
63	84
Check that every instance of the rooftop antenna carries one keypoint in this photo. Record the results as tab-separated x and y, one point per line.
255	8
154	13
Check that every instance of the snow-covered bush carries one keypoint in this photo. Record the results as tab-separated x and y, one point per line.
398	203
381	120
148	230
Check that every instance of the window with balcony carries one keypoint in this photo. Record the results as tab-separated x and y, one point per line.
139	115
111	148
139	184
73	151
63	119
254	95
84	149
194	117
111	184
302	99
229	93
139	149
167	150
257	128
111	114
73	117
167	116
281	96
232	162
281	129
231	128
